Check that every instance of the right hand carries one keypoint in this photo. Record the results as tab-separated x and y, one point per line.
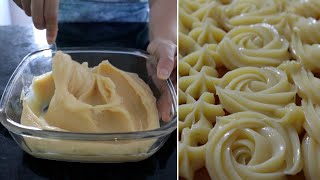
164	103
44	15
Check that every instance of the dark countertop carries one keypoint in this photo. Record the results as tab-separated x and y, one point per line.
18	41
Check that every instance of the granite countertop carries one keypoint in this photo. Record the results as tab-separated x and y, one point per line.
17	42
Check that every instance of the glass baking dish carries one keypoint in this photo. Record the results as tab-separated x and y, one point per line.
86	147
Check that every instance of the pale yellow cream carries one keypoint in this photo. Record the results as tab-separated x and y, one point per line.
102	99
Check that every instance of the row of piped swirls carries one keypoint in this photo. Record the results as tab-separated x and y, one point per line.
249	102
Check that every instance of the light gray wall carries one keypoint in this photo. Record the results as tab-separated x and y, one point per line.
5	17
11	14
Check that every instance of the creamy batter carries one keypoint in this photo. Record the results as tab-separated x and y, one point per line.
76	98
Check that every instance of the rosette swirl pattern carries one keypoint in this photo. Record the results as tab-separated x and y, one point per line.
242	146
284	23
309	8
248	12
306	29
308	55
264	90
311	156
256	45
262	59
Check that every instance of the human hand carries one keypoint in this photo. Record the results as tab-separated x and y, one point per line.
44	15
165	52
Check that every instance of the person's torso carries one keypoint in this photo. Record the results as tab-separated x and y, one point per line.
103	11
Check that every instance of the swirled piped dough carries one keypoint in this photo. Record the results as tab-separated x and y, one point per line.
80	99
308	89
192	152
198	82
311	156
189	6
242	146
187	45
263	90
264	69
306	29
196	61
284	23
195	122
256	45
248	12
208	10
307	84
199	113
206	32
312	115
309	8
307	54
185	21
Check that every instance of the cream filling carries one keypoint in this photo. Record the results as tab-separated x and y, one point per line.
102	99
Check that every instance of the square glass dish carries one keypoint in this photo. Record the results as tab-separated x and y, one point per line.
86	147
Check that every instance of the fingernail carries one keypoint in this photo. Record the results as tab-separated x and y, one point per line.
164	73
50	40
165	116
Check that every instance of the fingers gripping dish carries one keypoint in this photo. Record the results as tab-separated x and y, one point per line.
102	99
